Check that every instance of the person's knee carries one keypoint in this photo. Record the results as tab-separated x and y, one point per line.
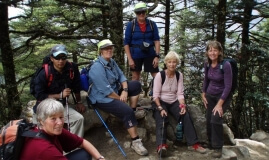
216	119
136	75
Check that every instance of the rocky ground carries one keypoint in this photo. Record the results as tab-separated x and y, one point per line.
245	149
254	148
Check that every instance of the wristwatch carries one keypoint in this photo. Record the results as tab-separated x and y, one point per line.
160	108
101	157
157	55
125	89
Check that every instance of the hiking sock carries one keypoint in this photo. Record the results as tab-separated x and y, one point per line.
135	138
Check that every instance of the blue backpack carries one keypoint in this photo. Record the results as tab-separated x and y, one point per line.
85	83
84	78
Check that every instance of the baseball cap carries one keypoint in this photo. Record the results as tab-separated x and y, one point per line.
58	49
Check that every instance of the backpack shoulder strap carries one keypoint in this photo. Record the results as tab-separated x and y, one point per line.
163	76
71	70
48	74
177	75
151	24
221	66
133	26
34	134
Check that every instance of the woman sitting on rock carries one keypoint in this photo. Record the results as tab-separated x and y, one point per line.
169	98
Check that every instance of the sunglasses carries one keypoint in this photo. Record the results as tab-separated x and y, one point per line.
140	12
60	57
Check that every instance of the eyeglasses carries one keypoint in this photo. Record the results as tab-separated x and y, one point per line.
60	57
140	12
108	48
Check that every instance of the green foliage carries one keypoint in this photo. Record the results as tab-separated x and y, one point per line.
82	24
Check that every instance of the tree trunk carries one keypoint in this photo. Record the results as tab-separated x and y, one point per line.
221	22
13	107
116	31
167	27
243	59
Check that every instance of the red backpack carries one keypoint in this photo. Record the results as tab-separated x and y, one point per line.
49	75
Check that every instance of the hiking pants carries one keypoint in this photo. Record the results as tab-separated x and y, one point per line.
214	123
121	109
76	120
173	109
80	154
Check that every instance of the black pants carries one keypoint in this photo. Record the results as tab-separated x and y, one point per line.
214	123
173	109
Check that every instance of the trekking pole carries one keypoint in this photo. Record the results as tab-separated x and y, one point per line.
162	140
115	140
67	111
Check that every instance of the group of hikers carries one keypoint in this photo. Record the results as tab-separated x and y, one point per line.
111	91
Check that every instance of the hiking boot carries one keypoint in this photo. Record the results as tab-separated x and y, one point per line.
140	113
138	147
197	147
162	150
217	153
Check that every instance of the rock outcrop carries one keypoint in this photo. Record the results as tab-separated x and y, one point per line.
255	148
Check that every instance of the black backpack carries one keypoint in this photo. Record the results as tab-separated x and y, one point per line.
163	79
49	76
234	71
12	138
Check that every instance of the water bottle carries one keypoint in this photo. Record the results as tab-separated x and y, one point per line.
179	131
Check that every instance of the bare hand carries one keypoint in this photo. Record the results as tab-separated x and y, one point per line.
80	108
155	62
182	111
163	113
124	96
204	100
219	110
66	92
131	63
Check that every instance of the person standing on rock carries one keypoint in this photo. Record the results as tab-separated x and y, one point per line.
169	98
142	43
216	95
110	91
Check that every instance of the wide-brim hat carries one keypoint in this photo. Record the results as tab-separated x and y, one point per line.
105	43
58	49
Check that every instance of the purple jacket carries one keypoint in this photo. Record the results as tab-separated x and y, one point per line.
216	82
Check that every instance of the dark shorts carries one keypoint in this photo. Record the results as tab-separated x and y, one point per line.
147	62
134	88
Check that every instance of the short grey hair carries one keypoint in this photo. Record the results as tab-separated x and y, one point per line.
47	108
172	55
